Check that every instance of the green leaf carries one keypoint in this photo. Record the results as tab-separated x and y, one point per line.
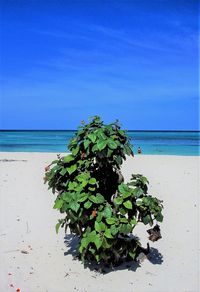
101	135
110	221
108	233
83	197
114	230
63	171
128	204
72	186
87	205
92	181
65	207
68	158
67	197
107	243
134	221
92	137
110	129
75	150
146	219
137	192
101	144
159	217
80	187
86	143
92	236
72	168
55	161
58	226
144	180
73	141
99	216
109	152
83	176
125	228
87	231
99	199
99	226
98	242
122	211
95	148
132	254
58	204
124	190
122	133
139	202
118	201
112	144
107	212
84	244
128	150
119	160
74	206
92	198
146	201
97	257
124	220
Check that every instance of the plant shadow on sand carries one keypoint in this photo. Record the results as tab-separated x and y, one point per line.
72	241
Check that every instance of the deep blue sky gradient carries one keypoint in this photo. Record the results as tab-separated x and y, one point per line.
63	61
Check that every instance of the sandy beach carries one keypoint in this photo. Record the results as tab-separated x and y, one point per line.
34	258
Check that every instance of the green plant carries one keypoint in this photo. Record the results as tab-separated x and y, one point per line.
97	205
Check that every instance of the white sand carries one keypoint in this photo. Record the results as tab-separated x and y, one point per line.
27	222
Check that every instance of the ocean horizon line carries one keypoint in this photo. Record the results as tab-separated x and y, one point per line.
73	130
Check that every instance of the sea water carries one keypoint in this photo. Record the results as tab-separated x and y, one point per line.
151	142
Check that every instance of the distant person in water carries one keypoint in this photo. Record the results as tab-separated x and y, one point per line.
139	150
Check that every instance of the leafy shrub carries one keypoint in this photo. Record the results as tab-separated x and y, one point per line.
97	205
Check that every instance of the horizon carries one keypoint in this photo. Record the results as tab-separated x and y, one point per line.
135	61
74	130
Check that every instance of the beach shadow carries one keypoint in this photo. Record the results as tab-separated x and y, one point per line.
103	269
155	257
72	241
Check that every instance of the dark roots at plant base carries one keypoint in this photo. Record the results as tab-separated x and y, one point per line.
98	206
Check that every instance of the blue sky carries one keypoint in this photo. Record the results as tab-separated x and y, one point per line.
63	61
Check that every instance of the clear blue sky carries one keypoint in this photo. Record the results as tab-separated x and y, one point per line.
63	61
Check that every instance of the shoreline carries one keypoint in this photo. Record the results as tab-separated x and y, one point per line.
28	224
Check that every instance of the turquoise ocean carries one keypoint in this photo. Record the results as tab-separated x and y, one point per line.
151	142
